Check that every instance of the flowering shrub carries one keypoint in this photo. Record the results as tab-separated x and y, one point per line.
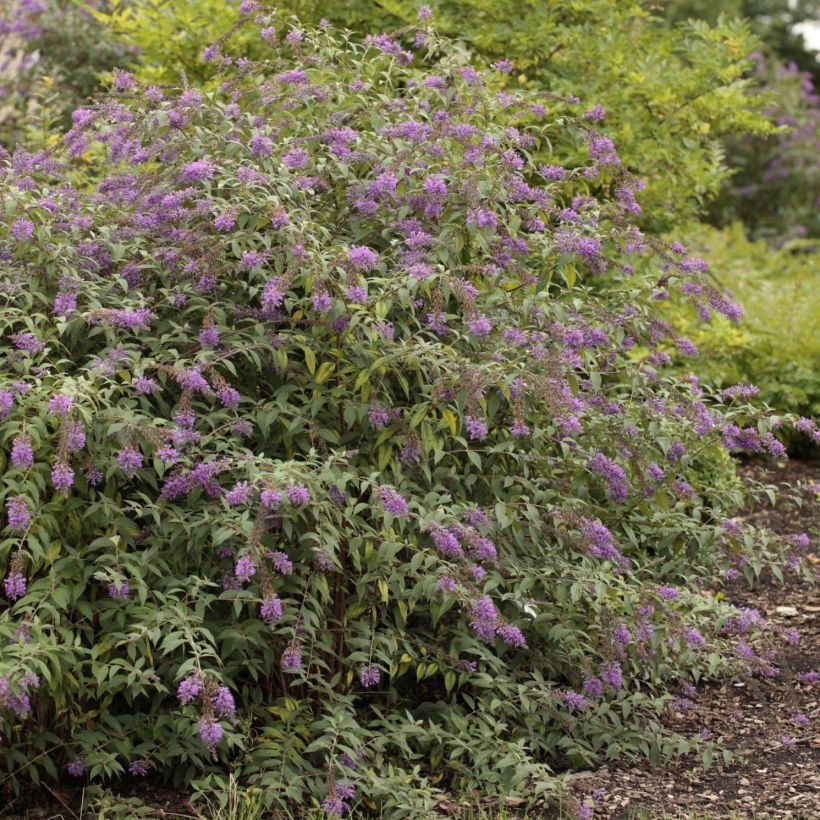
319	461
51	56
667	95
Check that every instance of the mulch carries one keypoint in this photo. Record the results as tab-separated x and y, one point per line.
775	766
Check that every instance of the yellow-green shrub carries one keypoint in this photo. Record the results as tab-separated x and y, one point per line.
776	346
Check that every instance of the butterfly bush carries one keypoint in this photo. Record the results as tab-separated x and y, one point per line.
323	461
52	53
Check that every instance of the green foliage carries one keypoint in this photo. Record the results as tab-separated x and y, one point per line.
50	66
776	346
170	38
670	95
775	178
776	22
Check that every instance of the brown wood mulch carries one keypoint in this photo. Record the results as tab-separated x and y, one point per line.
775	771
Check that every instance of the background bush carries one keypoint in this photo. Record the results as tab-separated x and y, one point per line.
52	56
776	346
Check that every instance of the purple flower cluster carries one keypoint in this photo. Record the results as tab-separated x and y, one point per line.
392	502
613	474
17	513
369	676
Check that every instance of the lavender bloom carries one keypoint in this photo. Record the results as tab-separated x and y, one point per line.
75	437
393	503
379	416
271	610
65	303
573	700
189	689
594	687
322	302
209	337
167	454
197	171
334	806
369	676
446	584
292	656
476	427
668	593
482	218
801	719
654	472
484	550
22	454
281	562
118	593
93	475
357	295
621	635
245	568
611	675
60	404
478	572
210	732
76	768
602	150
130	459
223	703
599	540
240	494
251	259
446	543
228	397
411	451
613	474
511	635
296	158
362	257
17	513
261	146
298	494
62	477
15	585
480	325
686	347
139	768
144	385
693	637
6	402
270	499
484	619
